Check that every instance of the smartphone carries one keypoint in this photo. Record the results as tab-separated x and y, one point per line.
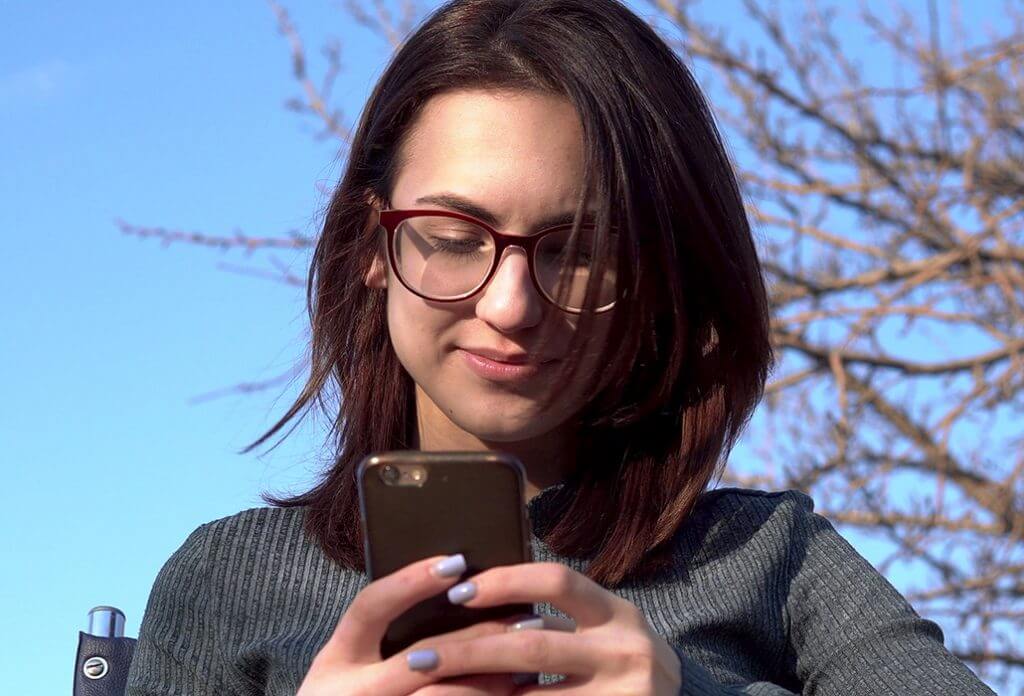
417	504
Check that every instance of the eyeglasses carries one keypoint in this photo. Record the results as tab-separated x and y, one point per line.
446	256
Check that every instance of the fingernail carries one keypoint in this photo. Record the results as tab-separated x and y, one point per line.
551	622
422	659
462	592
527	624
559	623
452	566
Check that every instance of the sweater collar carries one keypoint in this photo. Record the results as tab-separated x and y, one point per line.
544	508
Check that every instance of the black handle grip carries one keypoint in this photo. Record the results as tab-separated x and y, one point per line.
101	668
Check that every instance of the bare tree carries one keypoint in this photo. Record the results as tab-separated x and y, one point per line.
888	208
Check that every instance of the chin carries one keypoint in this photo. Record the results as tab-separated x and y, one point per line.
489	425
494	430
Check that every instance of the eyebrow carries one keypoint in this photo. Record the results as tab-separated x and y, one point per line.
463	205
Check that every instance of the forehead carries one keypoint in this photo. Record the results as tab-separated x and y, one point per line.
513	149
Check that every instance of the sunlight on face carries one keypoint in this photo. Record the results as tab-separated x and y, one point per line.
520	156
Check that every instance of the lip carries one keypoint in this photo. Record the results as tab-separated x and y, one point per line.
506	358
501	371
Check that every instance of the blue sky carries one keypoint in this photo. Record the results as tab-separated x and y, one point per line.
169	115
159	114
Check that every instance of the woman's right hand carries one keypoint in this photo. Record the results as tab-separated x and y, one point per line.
350	661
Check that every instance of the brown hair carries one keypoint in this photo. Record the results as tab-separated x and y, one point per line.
692	315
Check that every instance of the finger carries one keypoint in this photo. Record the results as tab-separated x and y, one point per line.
485	628
571	592
400	678
496	626
571	686
475	685
550	622
477	630
555	652
358	634
398	666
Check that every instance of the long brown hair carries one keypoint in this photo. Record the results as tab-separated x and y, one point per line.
692	350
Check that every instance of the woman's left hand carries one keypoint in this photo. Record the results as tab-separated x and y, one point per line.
612	651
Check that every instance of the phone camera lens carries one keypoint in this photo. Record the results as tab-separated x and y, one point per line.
389	473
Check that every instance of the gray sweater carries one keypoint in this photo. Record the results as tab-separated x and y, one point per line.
764	598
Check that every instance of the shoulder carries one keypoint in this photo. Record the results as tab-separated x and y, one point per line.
228	540
194	594
251	524
753	524
729	496
779	531
750	509
230	562
260	534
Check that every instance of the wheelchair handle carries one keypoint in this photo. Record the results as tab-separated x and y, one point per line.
104	654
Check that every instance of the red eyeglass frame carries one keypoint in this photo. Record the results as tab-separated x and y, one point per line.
391	218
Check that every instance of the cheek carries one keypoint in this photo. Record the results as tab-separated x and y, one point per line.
416	330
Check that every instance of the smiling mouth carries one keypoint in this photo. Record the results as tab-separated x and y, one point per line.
496	370
496	357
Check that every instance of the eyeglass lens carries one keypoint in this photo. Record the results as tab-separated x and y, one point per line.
447	258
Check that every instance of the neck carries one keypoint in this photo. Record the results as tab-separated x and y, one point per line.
547	459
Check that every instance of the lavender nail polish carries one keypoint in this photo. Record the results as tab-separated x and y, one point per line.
533	623
453	566
462	592
422	659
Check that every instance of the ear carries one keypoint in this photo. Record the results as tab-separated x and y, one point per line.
376	277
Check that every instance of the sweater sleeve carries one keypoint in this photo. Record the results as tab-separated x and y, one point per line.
697	681
851	631
176	652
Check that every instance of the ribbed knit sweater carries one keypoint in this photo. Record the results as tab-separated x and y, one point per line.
764	597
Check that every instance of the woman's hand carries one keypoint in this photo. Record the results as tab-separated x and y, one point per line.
350	663
613	650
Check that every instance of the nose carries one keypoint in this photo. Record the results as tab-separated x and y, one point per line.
510	301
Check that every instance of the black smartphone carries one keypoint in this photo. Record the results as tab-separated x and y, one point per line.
417	504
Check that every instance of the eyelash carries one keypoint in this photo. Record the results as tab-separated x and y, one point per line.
448	245
455	247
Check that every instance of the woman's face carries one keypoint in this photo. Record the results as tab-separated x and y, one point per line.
519	155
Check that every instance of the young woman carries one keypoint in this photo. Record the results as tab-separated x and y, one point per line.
539	247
